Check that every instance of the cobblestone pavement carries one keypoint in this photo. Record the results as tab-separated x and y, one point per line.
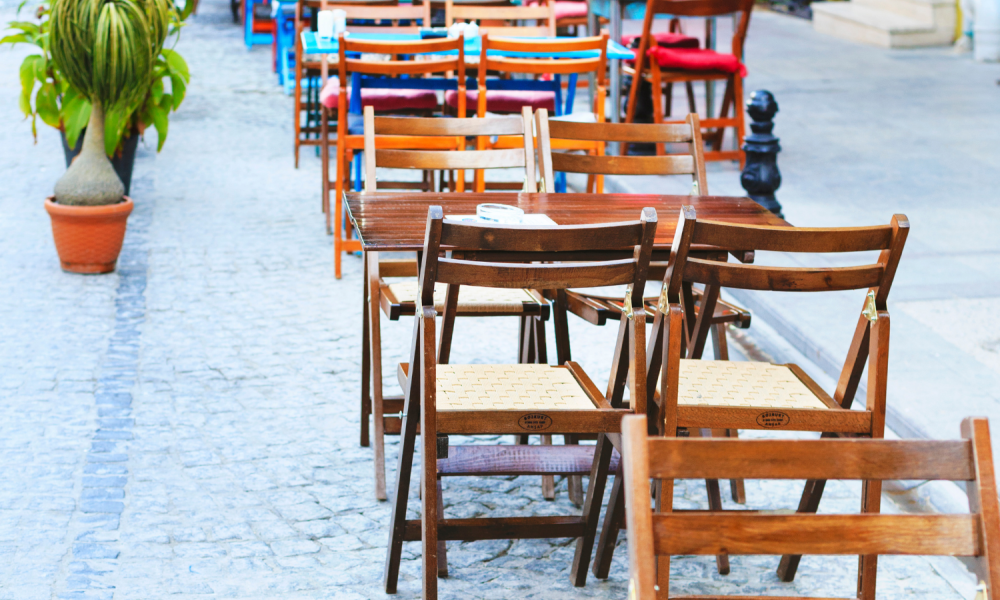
187	427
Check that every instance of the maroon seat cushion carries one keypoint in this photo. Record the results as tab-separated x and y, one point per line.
570	10
503	101
566	10
381	99
665	39
689	59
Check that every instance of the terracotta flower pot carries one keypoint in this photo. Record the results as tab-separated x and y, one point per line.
88	238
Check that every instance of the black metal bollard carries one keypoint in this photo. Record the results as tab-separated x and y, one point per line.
760	177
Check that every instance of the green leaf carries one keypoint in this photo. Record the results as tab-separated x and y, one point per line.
114	128
28	83
177	89
178	65
17	38
47	104
75	115
160	121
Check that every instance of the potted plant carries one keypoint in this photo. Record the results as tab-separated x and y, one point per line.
46	95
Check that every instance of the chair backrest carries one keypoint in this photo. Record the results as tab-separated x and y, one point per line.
698	533
561	66
385	16
888	239
700	8
435	62
502	20
692	163
439	144
542	243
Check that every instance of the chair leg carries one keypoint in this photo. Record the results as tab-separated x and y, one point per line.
871	502
692	106
720	346
592	509
714	502
614	516
740	111
397	520
809	503
657	89
574	483
442	549
366	399
548	481
375	320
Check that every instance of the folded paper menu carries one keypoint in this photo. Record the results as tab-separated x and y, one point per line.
527	219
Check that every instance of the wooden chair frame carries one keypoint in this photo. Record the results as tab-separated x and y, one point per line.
732	96
422	143
355	11
677	333
346	145
655	536
419	378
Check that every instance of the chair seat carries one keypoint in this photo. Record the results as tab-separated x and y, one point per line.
504	101
746	384
665	39
692	59
382	99
471	299
509	387
570	10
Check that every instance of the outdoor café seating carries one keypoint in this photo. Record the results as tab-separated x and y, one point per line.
529	370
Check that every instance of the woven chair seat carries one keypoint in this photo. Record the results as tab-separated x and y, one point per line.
748	384
509	387
471	299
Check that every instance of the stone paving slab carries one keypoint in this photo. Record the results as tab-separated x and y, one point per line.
187	427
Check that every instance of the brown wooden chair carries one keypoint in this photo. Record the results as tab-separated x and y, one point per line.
676	65
350	138
449	399
597	309
654	536
310	69
696	394
436	144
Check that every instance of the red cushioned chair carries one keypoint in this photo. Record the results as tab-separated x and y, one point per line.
664	66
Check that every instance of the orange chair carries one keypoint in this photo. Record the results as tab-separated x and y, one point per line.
350	135
664	66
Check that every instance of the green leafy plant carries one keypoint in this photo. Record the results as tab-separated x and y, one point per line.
48	95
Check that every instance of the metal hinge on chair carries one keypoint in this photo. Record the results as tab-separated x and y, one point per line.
663	303
981	593
870	312
541	186
694	188
627	305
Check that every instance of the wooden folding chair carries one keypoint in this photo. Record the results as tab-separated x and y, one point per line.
310	70
676	65
698	394
419	143
597	309
349	127
513	399
654	536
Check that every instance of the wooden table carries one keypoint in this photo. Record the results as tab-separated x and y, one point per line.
395	222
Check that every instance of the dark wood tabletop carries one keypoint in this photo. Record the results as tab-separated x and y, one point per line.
393	222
